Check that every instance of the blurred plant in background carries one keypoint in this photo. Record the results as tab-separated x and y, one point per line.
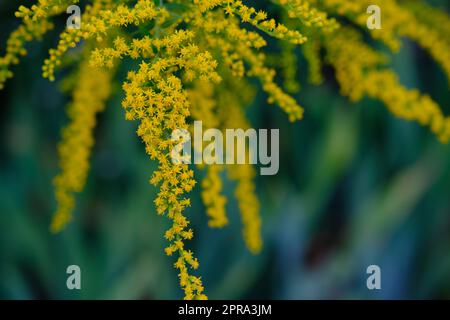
355	187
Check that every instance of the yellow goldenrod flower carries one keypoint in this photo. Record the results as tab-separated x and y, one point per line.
35	24
212	197
205	108
89	96
311	51
358	73
97	20
401	20
259	20
288	62
245	192
309	15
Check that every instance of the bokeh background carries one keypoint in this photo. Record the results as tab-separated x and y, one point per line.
356	187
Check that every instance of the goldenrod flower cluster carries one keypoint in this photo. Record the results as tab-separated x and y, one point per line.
245	191
89	96
311	51
204	108
360	72
196	60
212	197
36	22
411	19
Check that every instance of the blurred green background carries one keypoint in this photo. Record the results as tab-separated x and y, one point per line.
356	187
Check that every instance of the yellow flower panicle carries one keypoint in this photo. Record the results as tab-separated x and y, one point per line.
401	21
231	97
245	192
308	15
224	34
243	45
288	62
35	24
204	108
249	207
358	73
257	68
267	77
97	21
206	5
431	32
260	21
165	111
433	18
15	46
408	104
254	17
43	9
212	197
89	96
311	51
161	108
203	104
